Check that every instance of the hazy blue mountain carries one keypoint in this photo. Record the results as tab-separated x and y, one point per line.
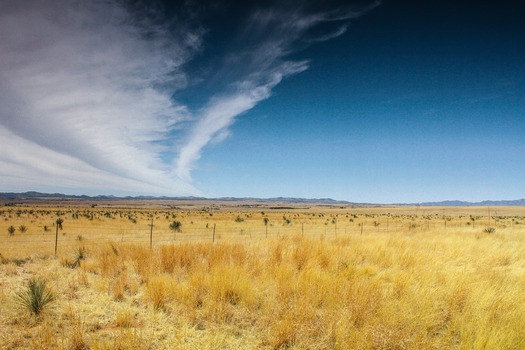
326	201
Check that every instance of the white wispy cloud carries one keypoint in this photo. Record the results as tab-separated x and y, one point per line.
214	120
258	64
83	86
86	90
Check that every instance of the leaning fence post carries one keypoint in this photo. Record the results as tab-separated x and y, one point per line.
213	237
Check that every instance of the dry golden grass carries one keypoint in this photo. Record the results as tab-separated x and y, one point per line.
317	283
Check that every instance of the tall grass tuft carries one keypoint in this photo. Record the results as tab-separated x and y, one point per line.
35	297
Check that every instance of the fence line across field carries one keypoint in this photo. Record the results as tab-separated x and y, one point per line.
74	234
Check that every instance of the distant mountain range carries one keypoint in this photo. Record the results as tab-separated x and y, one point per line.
327	201
40	195
488	203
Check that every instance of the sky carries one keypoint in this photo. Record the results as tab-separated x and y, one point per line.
393	101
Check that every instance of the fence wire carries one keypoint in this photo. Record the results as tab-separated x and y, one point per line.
38	239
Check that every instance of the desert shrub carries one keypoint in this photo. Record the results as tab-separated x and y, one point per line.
11	230
35	296
22	228
489	229
176	226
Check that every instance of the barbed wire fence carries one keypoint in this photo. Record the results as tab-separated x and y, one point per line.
153	233
58	241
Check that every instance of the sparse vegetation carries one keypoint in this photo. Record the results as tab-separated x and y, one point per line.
408	283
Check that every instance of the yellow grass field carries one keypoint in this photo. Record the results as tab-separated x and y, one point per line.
258	276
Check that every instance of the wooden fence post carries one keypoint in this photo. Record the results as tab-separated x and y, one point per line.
151	234
56	239
58	225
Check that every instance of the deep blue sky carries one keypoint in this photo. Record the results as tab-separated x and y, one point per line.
415	102
398	101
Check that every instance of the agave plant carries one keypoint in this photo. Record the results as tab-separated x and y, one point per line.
35	296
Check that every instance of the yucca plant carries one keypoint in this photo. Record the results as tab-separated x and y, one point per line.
35	296
176	226
79	256
489	229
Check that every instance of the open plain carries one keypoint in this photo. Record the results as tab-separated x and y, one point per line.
238	275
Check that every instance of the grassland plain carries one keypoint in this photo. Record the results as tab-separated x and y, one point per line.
304	278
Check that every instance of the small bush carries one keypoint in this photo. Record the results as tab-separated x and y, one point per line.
489	230
11	230
22	228
35	297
